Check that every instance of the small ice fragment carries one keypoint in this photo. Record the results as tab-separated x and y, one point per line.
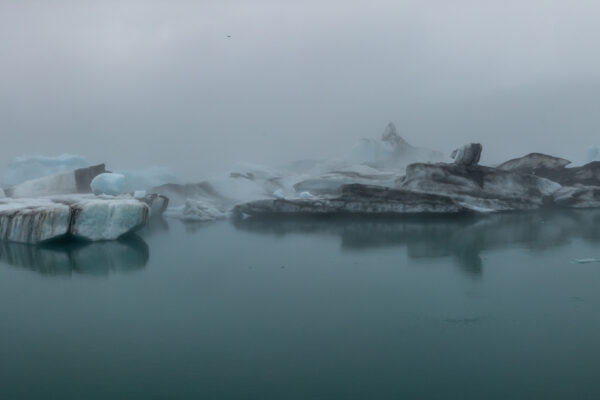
139	194
278	194
586	260
306	196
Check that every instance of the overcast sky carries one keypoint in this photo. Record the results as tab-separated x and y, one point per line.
137	83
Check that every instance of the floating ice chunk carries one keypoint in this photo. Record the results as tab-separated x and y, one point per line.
156	202
84	216
278	194
33	220
139	194
306	196
103	219
25	168
587	260
108	183
198	210
480	188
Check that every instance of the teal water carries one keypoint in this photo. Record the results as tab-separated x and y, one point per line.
450	308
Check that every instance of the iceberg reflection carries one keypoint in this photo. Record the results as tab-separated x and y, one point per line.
462	237
86	258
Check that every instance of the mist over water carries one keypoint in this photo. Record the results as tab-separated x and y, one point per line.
244	240
198	86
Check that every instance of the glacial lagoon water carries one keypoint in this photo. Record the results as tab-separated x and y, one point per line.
439	308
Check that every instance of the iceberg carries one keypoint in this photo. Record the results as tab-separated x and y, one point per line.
593	154
555	169
85	217
372	162
533	163
578	196
354	199
25	168
469	154
586	260
391	151
33	220
306	195
108	183
157	203
76	181
100	219
144	179
479	188
196	210
426	188
332	182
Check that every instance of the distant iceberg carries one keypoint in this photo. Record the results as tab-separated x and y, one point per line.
146	178
391	151
25	168
371	162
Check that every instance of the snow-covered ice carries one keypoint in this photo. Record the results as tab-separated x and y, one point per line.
196	210
85	216
33	220
102	219
480	188
108	183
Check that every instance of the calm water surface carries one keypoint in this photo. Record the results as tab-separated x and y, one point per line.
464	308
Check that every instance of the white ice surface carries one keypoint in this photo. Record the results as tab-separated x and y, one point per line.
196	210
102	219
32	220
85	216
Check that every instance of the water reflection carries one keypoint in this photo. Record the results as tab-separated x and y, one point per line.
64	259
463	238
